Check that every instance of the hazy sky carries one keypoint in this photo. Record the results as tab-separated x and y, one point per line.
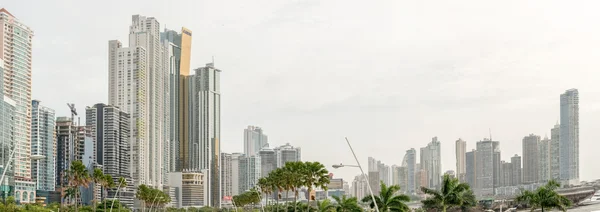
389	75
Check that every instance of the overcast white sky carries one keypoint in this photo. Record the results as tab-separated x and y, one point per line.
387	74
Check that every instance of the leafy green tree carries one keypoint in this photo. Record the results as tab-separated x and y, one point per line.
452	194
10	205
387	200
315	175
345	204
545	198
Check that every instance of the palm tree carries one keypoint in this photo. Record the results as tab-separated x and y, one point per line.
314	174
143	194
97	178
276	178
122	183
452	193
78	176
264	186
107	183
325	206
295	177
387	200
545	197
345	204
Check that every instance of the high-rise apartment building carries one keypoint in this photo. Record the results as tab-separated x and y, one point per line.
7	145
569	137
517	170
254	140
544	154
359	188
235	173
531	159
461	150
16	51
226	171
209	138
287	153
268	161
249	172
410	162
70	146
176	57
110	134
555	152
43	146
375	181
497	164
137	80
485	166
507	174
471	168
431	162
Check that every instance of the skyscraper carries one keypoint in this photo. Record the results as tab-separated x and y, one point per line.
569	137
70	146
287	153
268	161
555	152
431	162
7	145
15	49
249	172
507	174
517	171
254	140
176	57
485	166
43	144
461	150
544	169
235	173
110	133
226	171
471	170
137	81
530	158
209	97
410	162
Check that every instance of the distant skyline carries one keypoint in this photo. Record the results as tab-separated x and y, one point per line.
387	75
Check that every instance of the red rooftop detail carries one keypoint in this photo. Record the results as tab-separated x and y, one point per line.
6	11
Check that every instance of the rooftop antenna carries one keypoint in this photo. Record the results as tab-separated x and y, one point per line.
213	60
490	134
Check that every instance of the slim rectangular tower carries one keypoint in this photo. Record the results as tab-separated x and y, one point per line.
43	146
569	137
16	50
461	150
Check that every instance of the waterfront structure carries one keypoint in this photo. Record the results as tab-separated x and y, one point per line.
471	168
431	162
530	159
15	50
569	137
43	145
517	171
109	127
461	150
254	140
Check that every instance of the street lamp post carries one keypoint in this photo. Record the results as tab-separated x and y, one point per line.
363	173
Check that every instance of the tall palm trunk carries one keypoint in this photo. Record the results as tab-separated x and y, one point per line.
295	198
